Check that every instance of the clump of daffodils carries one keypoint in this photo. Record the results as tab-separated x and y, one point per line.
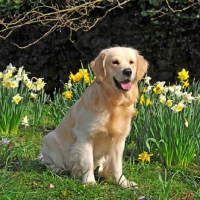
81	77
18	89
171	96
11	78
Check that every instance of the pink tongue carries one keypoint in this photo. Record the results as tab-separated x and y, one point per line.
126	86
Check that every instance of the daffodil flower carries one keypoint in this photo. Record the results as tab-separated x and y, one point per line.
162	99
186	122
188	97
17	99
148	88
147	80
148	102
14	84
25	121
64	192
29	84
20	70
169	102
135	112
33	95
144	156
6	83
185	84
40	86
142	99
178	107
183	75
68	85
10	68
67	94
158	87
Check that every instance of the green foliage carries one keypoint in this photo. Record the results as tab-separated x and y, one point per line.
9	8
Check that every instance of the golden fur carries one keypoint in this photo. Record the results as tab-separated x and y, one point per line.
92	134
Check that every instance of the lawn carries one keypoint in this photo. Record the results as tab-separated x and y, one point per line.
23	177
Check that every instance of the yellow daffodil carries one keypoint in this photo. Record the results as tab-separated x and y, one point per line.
40	86
183	75
142	99
39	80
185	84
144	156
86	78
17	99
72	77
7	75
64	192
33	95
148	102
67	94
135	112
158	87
178	107
144	89
169	103
1	75
78	76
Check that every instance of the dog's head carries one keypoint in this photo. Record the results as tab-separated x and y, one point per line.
120	67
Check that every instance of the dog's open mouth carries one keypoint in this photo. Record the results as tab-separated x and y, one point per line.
123	85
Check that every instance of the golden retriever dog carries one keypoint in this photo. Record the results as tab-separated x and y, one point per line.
93	132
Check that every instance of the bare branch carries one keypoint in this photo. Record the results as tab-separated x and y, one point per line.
74	16
162	13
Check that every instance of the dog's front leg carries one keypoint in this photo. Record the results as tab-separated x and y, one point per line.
82	159
116	163
87	163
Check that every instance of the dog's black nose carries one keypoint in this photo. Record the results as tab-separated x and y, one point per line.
127	72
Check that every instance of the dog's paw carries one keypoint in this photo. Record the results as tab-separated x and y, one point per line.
128	184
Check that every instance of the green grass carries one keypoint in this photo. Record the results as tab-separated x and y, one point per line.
23	177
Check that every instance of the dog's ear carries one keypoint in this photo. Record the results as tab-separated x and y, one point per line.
142	66
98	66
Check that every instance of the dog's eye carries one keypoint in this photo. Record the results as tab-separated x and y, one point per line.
115	62
131	62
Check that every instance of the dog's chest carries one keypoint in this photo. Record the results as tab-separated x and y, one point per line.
115	123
